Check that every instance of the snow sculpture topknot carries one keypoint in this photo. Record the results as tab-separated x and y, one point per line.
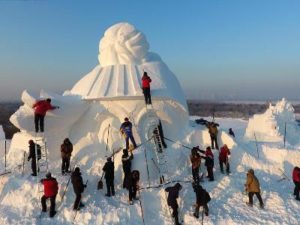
122	44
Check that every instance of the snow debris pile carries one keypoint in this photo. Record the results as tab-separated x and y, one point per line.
270	126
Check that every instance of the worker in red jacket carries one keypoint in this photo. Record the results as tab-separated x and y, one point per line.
146	80
296	179
224	158
50	191
40	109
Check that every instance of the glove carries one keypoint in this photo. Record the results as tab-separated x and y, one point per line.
57	107
28	159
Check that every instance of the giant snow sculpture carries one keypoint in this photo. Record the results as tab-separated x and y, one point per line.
106	95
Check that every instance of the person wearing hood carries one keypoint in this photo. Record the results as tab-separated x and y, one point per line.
32	156
126	163
109	170
253	188
78	187
126	130
66	151
202	198
196	162
50	191
146	80
296	180
172	200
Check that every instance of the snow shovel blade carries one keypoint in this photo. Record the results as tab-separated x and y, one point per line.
100	185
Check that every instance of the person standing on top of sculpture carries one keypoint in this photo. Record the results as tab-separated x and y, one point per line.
40	109
126	129
66	151
146	80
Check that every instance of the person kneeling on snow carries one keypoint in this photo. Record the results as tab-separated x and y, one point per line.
202	198
78	187
133	185
172	200
296	179
50	191
109	170
253	188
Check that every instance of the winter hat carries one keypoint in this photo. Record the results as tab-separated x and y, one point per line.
145	73
48	175
77	170
109	159
126	119
66	140
125	151
178	186
30	142
48	100
251	171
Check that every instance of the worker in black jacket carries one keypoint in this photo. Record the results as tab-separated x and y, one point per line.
172	200
32	149
109	170
78	187
202	198
126	162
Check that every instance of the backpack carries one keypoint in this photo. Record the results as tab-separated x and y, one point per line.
39	153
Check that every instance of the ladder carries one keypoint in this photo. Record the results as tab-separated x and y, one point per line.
42	164
160	154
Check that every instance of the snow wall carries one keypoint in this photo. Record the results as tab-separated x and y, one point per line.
270	126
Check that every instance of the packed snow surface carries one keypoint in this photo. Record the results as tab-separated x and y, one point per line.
271	126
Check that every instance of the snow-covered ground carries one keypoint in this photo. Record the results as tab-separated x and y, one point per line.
19	196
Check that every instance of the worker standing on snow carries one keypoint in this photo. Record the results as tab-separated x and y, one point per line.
133	185
224	158
146	80
196	162
66	151
50	191
109	170
202	198
126	163
209	162
40	109
172	200
33	157
231	132
213	132
296	179
252	187
126	129
78	187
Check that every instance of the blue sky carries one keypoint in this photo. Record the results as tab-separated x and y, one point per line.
225	49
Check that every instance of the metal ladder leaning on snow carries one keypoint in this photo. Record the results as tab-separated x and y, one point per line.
42	163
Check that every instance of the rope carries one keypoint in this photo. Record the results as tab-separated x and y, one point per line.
168	139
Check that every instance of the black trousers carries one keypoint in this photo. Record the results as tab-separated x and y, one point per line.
205	207
195	173
52	204
131	139
175	213
39	122
147	96
250	195
77	201
110	187
226	164
297	189
33	166
125	180
214	141
65	165
210	172
132	192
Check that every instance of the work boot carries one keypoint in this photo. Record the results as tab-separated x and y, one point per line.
196	215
